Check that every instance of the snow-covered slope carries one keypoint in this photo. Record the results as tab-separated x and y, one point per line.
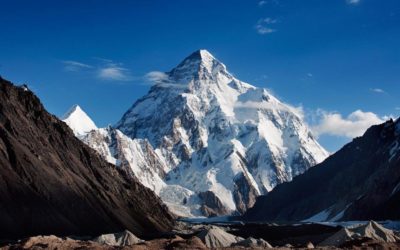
208	143
78	121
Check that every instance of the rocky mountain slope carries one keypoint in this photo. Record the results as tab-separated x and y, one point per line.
52	183
359	182
208	143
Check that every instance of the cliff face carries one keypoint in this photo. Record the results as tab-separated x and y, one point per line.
359	182
52	183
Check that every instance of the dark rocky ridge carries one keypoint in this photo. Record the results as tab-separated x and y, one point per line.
359	182
52	183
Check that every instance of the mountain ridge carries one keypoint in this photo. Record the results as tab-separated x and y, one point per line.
359	182
52	183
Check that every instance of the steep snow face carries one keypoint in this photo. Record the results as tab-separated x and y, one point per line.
216	133
78	121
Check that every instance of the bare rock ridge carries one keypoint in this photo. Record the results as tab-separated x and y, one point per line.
206	142
359	182
52	183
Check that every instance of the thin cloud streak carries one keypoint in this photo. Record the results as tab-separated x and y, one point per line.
114	73
263	26
161	79
74	66
353	2
262	3
377	90
105	70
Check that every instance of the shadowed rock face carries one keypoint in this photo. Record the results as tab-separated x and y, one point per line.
359	182
51	183
244	193
212	206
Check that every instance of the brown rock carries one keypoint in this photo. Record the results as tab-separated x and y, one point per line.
211	205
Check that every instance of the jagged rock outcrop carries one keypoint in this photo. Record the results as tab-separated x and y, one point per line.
52	183
371	230
252	243
216	237
124	238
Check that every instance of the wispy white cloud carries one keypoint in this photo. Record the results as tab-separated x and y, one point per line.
310	75
263	26
114	72
262	3
75	65
264	30
102	59
104	69
353	2
161	79
268	20
355	124
377	90
156	77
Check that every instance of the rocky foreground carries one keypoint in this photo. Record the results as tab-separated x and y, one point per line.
186	236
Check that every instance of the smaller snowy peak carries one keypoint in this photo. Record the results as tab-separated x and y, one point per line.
78	121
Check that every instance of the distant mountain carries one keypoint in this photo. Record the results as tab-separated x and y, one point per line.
52	183
359	182
208	143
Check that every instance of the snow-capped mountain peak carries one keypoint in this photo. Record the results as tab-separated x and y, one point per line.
78	121
199	65
222	139
206	142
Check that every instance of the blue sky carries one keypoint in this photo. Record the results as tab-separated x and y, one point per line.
338	59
